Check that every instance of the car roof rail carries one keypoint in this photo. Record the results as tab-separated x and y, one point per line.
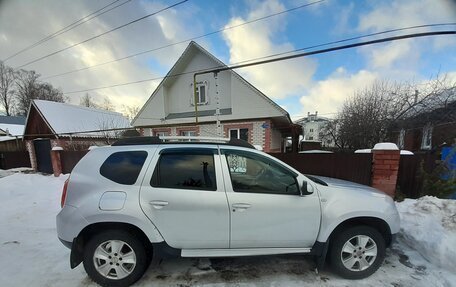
154	140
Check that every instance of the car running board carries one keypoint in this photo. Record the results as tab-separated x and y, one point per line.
240	252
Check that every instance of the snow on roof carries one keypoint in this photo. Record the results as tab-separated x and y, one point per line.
14	130
66	118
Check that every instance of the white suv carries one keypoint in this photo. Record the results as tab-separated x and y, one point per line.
145	196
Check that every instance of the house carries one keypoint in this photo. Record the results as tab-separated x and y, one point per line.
312	126
427	131
226	105
69	127
11	131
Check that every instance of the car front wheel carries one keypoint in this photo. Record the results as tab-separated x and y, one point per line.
357	252
115	258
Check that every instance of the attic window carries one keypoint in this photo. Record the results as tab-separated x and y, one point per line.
201	94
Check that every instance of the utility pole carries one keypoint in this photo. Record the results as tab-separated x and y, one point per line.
217	107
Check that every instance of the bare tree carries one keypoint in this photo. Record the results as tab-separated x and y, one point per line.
7	81
107	105
26	90
28	87
87	101
130	111
369	116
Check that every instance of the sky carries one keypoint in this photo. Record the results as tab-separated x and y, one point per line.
316	83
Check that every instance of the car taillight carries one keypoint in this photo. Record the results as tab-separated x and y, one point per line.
64	193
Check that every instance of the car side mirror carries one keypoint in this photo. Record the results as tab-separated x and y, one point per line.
304	189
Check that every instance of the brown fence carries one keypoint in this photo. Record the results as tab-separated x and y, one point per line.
70	158
348	166
12	145
13	159
410	178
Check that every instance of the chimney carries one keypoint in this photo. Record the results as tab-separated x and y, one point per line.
316	113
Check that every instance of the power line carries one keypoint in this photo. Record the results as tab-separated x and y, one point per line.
245	23
187	40
102	34
238	66
69	27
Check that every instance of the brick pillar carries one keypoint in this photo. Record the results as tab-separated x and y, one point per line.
56	161
31	150
385	166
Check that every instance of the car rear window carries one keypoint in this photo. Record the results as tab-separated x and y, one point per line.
123	167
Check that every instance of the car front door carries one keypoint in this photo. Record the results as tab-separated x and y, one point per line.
184	196
266	208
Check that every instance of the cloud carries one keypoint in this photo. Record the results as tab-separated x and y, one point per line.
23	23
277	80
404	13
397	61
327	96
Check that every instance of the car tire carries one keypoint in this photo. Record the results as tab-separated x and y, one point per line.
115	258
357	252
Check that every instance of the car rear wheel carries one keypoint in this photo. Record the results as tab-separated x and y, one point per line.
115	258
357	252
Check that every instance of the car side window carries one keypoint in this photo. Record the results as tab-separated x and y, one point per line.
257	174
185	169
123	167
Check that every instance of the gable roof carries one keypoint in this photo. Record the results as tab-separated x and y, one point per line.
66	118
177	67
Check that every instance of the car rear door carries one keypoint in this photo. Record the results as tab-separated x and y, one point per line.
184	196
266	208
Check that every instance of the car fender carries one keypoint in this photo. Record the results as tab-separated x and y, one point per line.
149	229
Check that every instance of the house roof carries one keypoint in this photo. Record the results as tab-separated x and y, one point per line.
66	118
12	120
15	130
175	69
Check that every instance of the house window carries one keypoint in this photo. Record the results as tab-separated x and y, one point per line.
311	138
188	133
426	142
401	138
311	130
161	134
201	94
242	134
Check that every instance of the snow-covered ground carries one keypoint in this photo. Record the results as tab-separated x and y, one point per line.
31	255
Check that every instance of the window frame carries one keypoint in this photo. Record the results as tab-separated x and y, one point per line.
427	133
256	156
238	132
100	170
184	151
198	94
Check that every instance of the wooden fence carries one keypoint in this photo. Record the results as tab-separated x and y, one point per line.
70	158
347	166
410	177
13	159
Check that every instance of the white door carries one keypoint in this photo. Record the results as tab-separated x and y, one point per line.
266	208
184	196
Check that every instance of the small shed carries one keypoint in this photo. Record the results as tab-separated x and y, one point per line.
51	124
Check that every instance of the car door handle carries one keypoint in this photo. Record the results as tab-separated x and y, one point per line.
159	204
241	206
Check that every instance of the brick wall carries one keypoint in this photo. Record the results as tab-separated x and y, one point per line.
260	132
385	167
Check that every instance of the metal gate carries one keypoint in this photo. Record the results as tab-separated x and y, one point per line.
43	155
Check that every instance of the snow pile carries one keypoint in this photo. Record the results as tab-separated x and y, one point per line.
428	224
